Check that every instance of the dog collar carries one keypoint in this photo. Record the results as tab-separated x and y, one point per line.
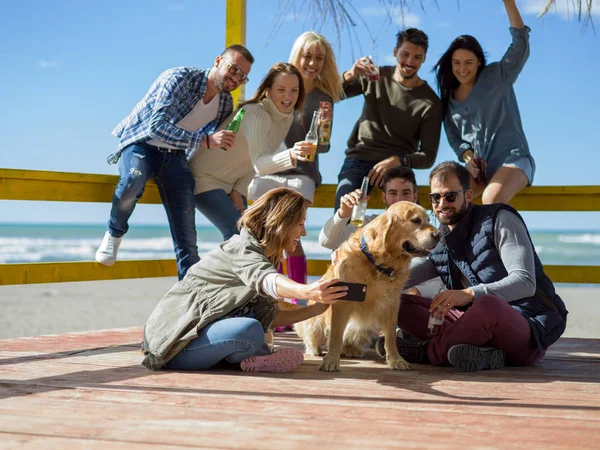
385	270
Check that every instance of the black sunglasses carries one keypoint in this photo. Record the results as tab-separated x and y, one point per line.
450	197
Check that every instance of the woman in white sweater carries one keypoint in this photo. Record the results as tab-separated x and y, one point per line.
222	177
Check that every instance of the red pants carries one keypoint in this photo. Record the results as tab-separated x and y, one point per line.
489	322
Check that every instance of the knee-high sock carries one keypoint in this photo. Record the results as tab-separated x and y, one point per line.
296	266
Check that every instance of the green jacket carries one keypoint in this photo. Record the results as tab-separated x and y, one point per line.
225	279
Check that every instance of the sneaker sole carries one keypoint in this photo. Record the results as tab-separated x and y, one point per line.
104	262
281	361
470	358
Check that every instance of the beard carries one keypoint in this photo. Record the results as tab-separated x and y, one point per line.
221	84
408	76
456	217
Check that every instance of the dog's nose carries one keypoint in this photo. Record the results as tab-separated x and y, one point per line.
436	235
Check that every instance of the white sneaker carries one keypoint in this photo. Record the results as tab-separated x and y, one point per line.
107	253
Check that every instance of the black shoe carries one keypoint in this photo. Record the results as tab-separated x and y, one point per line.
411	351
470	358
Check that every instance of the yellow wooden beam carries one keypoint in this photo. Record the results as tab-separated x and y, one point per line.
235	33
82	187
91	271
64	187
84	271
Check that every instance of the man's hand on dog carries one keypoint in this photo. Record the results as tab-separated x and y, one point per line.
446	300
321	291
348	201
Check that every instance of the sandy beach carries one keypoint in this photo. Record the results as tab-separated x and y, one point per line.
37	309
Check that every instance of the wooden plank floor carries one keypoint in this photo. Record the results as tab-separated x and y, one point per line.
88	390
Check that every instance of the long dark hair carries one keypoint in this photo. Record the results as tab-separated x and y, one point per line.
267	83
446	80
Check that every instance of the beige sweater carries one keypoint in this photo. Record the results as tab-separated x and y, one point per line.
262	130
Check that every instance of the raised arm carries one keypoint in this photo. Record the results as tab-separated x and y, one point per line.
514	16
518	52
353	81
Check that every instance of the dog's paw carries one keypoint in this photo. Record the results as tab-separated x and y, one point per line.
398	364
330	365
352	351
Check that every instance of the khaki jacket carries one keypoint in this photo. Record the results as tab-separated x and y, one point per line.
225	279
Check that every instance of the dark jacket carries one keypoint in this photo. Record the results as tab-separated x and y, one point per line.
471	246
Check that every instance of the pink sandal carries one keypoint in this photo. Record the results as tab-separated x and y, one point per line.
284	360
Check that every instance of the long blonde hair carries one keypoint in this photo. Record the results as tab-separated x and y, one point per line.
329	80
272	217
269	79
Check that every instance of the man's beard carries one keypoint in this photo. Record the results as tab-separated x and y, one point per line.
410	76
220	83
455	218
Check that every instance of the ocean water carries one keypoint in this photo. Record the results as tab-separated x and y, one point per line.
31	243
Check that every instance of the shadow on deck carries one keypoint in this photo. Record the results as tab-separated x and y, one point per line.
89	390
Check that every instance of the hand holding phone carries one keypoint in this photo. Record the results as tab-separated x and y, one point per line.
357	292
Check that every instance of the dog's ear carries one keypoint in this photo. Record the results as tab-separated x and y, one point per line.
377	235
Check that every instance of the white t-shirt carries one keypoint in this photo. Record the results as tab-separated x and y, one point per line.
201	114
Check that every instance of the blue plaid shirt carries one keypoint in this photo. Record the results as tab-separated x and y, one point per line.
172	96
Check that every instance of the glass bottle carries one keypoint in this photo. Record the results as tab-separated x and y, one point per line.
360	209
479	162
235	123
324	131
313	134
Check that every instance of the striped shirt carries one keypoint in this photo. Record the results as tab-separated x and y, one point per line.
172	96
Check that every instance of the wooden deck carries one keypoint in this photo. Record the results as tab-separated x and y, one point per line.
88	390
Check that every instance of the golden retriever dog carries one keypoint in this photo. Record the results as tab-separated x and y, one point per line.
347	328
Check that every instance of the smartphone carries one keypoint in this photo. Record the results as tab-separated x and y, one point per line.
356	291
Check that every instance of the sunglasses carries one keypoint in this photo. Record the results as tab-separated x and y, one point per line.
450	197
236	72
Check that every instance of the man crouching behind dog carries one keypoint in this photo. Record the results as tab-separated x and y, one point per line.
377	255
500	305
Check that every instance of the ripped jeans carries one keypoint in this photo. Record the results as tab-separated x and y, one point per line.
171	172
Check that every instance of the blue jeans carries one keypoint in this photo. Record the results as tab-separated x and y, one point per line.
220	210
232	340
141	162
350	178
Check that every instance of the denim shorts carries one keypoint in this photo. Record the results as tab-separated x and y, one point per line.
527	166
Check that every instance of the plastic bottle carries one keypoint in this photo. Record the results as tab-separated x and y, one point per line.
235	123
360	209
313	134
434	326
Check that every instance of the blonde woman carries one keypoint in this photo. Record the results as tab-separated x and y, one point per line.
313	56
222	177
221	309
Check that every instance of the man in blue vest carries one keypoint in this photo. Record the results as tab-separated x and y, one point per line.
499	307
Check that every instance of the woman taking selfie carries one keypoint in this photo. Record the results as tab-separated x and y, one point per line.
222	308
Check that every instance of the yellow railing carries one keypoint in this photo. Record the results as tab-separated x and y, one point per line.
80	187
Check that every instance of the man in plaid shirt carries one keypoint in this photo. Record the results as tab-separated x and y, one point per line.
178	115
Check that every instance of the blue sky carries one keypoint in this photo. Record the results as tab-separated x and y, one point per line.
71	70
